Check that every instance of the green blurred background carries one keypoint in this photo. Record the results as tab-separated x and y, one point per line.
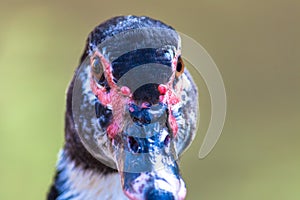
255	44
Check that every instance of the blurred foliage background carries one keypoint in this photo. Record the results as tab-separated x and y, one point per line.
255	44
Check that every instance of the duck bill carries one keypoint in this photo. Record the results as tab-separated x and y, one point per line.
146	158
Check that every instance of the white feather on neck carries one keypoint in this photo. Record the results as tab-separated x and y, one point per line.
79	184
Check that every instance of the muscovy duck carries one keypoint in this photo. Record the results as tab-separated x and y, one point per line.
131	112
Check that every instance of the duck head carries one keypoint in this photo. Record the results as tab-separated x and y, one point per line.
134	105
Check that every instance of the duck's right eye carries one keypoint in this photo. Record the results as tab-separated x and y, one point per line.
97	65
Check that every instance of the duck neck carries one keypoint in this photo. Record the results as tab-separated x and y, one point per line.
77	182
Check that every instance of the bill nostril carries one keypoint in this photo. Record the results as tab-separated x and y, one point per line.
153	194
133	144
167	140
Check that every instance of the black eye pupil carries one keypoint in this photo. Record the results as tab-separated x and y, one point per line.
179	67
133	144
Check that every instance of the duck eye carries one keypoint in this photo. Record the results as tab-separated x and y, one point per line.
179	67
96	66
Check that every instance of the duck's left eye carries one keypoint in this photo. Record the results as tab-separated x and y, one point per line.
179	67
